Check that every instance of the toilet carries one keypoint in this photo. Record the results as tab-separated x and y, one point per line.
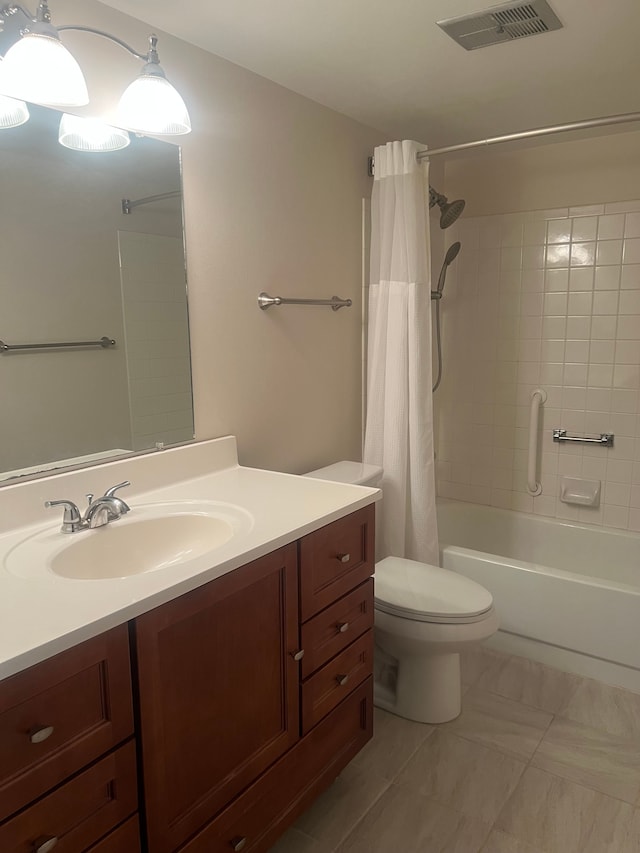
424	617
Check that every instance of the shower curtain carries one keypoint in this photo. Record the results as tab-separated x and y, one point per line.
399	423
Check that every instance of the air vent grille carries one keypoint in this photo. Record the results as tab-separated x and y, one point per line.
500	24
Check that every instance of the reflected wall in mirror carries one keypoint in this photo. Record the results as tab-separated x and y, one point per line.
75	267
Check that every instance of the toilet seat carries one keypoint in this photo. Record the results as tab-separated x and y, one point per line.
423	593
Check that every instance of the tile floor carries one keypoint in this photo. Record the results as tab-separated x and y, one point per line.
539	761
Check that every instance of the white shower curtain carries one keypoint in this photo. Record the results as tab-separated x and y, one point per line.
399	425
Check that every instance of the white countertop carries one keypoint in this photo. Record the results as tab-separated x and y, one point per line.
45	614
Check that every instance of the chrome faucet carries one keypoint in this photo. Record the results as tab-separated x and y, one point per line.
102	511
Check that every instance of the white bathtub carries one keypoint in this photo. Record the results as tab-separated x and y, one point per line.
567	594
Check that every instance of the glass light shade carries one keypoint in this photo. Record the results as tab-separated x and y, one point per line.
13	113
39	68
91	135
151	105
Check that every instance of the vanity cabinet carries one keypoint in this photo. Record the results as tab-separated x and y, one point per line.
250	694
238	732
56	719
218	684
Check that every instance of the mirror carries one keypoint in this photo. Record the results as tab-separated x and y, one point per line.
74	267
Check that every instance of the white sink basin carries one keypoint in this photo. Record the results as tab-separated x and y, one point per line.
149	538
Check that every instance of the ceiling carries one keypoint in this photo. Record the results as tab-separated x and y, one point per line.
387	64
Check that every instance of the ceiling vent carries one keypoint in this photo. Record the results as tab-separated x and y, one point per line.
500	24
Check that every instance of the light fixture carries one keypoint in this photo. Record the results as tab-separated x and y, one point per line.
38	68
91	135
151	104
13	113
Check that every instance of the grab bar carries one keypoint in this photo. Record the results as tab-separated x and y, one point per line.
265	301
538	398
605	438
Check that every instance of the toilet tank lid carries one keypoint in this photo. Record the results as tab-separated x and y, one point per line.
357	473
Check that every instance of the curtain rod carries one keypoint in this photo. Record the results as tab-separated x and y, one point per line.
531	134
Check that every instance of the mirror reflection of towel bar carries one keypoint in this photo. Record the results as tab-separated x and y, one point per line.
104	342
605	439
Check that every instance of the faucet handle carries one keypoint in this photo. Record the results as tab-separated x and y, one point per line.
111	492
71	520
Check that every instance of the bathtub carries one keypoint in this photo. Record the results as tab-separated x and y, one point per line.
567	594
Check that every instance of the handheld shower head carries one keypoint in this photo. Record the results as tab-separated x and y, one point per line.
449	258
449	210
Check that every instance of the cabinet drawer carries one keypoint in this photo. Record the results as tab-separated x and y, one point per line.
335	559
79	812
259	815
61	714
330	685
340	624
124	839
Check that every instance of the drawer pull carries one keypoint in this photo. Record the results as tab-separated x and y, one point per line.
297	656
342	627
37	735
44	844
238	843
342	679
344	558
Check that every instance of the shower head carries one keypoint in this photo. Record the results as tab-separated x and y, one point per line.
449	258
449	210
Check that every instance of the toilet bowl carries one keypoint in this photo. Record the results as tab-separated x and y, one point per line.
424	617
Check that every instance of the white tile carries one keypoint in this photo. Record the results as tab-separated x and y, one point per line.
617	494
622	206
578	328
533	280
600	375
584	228
489	233
604	327
576	351
632	225
552	351
616	516
631	253
576	374
533	257
606	302
609	252
556	304
599	399
532	303
556	281
611	227
628	327
557	255
534	233
574	398
581	278
624	401
554	327
594	469
579	303
626	376
558	231
630	279
607	278
602	352
628	352
618	471
630	303
583	254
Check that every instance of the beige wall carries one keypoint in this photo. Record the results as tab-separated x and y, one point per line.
562	174
273	186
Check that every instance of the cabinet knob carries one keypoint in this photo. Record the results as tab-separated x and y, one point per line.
37	735
344	558
44	844
342	627
238	843
298	655
342	679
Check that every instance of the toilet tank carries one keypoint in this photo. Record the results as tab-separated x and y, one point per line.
356	473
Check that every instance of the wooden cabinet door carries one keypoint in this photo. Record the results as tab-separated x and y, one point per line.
218	693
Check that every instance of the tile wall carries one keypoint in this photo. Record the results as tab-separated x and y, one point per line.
548	299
